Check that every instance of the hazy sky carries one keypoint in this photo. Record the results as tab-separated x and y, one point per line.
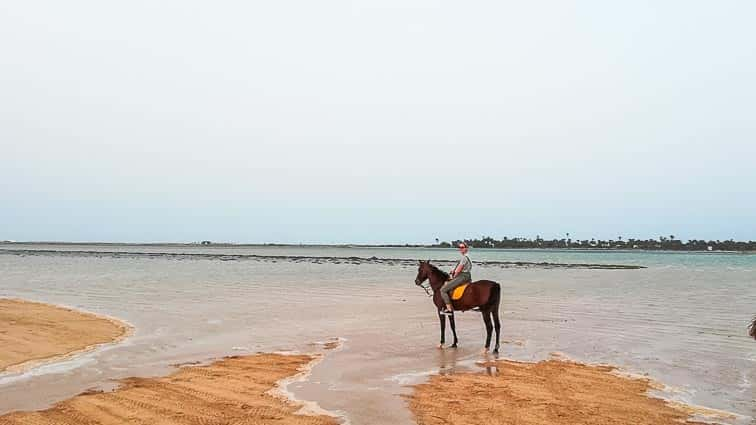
376	121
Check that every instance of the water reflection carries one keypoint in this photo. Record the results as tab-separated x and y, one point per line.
451	360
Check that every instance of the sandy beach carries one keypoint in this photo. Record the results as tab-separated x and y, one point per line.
235	390
32	333
549	392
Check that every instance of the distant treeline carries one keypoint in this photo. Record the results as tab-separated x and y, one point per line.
669	243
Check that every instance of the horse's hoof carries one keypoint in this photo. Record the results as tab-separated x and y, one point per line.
441	346
496	351
484	350
454	345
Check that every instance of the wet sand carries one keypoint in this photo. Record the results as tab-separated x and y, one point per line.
235	390
551	392
33	333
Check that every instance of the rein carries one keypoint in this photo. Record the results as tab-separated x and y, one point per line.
428	290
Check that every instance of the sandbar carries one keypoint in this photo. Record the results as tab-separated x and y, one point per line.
552	392
32	333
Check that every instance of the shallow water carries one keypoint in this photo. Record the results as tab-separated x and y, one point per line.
681	320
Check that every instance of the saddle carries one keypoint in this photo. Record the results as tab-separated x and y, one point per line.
459	291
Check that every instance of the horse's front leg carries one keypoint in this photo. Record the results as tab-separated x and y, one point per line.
442	321
454	330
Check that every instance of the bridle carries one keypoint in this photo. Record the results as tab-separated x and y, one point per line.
428	289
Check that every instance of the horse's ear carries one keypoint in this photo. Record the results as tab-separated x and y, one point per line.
420	262
428	261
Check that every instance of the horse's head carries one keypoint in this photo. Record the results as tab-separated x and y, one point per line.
423	272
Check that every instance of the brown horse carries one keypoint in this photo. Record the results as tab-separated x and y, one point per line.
752	328
484	295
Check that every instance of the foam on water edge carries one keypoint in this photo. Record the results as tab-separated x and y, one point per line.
309	408
60	364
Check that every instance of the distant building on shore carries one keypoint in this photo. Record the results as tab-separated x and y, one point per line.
205	243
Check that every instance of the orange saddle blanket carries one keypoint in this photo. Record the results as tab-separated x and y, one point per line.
459	291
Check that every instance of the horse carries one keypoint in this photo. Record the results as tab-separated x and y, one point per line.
484	295
752	328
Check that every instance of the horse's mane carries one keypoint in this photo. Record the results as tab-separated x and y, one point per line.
439	271
752	328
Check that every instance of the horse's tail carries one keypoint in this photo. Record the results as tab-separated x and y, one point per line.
752	329
495	298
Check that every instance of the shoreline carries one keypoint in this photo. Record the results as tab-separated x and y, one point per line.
88	344
309	407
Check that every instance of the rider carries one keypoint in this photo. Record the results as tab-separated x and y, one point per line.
459	276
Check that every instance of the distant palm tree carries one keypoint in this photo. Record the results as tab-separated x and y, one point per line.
752	329
671	237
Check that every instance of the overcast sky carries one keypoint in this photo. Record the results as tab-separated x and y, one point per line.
376	121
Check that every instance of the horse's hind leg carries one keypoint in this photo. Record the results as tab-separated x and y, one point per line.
497	326
489	327
442	321
454	330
